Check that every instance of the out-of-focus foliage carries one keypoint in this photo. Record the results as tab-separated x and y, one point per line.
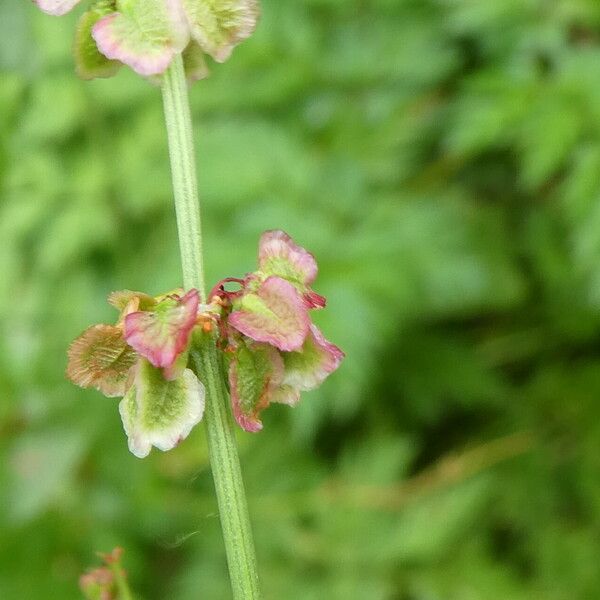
442	160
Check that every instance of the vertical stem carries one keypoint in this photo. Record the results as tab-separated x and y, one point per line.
225	463
227	474
183	170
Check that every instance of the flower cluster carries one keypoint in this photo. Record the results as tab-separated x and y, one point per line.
147	34
99	583
274	351
271	348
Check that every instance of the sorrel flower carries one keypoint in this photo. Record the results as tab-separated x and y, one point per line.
100	583
147	34
144	358
274	351
271	349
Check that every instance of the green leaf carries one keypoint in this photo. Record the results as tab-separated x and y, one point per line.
254	373
219	25
143	34
121	299
160	413
89	61
194	63
309	367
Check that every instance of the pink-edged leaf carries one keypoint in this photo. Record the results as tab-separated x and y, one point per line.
162	334
160	413
219	25
123	299
275	314
56	7
144	34
279	255
101	359
254	372
175	370
308	368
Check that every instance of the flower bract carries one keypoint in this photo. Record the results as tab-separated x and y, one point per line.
271	349
147	34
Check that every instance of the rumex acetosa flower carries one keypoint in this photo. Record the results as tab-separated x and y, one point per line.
143	358
275	351
270	347
147	34
100	583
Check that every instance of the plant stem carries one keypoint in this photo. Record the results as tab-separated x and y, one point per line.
224	459
183	171
121	581
227	474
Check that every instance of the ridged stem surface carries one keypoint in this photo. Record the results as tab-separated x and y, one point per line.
224	459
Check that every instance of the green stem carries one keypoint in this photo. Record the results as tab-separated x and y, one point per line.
183	170
225	463
227	474
121	581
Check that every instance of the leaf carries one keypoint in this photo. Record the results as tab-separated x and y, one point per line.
254	373
309	367
194	63
122	298
56	7
101	359
279	255
144	35
275	314
89	61
176	369
160	413
219	25
162	334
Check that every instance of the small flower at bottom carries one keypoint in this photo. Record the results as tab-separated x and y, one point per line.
100	583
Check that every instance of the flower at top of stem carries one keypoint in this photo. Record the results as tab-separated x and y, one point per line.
271	348
147	34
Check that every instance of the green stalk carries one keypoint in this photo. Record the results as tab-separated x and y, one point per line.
225	463
121	581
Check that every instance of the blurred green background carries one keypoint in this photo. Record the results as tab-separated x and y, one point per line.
442	160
